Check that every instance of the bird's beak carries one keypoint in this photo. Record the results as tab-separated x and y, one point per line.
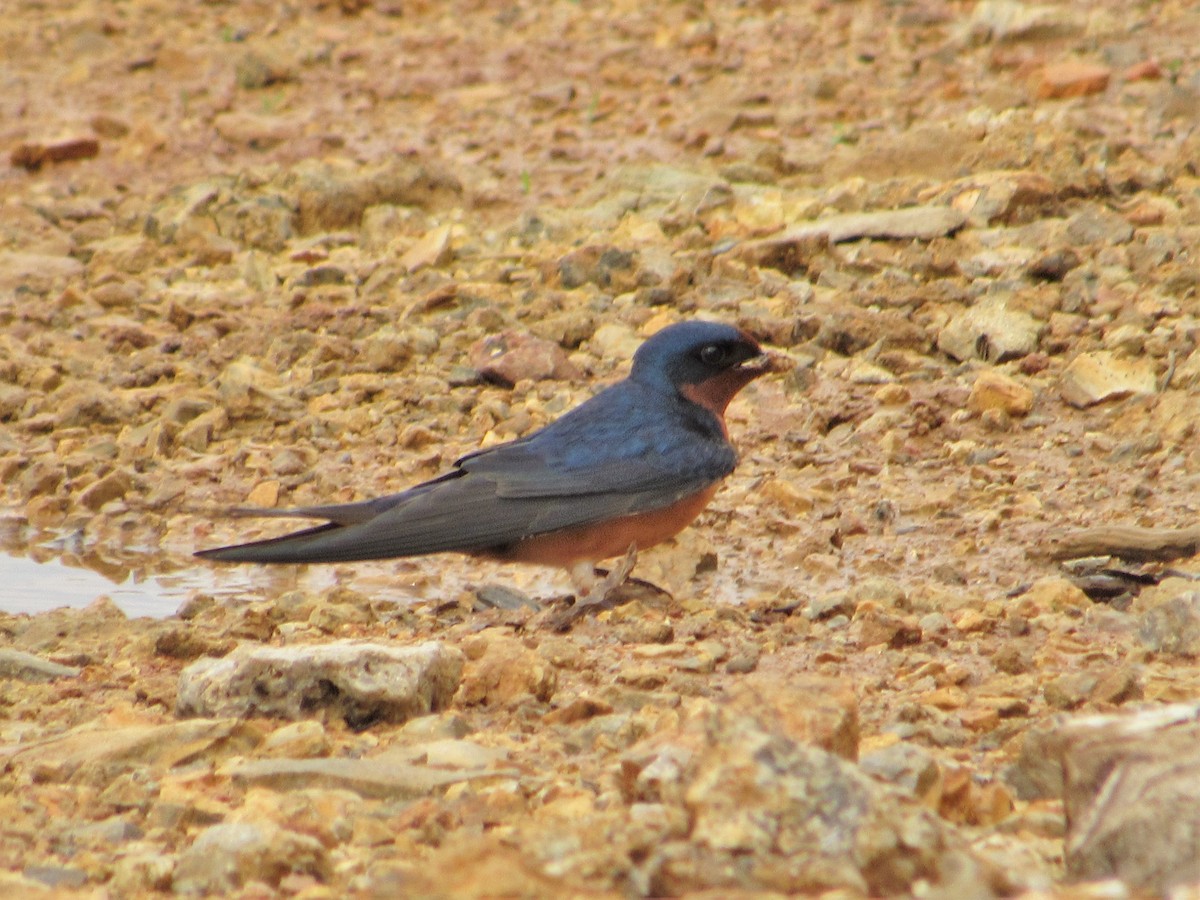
766	363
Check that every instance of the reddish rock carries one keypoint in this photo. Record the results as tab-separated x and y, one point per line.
1146	70
511	356
32	156
1072	79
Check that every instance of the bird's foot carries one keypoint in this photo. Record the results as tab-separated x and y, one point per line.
600	596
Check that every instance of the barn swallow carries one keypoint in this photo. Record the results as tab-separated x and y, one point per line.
625	470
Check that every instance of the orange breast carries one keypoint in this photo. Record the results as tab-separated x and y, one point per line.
607	539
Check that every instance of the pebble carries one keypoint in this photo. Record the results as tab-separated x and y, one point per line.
994	390
991	331
35	154
513	356
1098	225
1070	690
111	487
1173	626
604	266
506	671
990	198
227	856
430	251
37	273
1072	79
304	739
907	766
1094	377
258	131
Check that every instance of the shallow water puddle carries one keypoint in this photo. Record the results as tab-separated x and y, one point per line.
29	586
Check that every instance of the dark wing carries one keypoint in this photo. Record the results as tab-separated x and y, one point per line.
604	460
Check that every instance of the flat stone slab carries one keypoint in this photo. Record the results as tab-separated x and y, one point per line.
922	223
27	667
375	778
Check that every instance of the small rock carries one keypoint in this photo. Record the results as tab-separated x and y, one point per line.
1132	797
32	156
1173	626
304	740
431	251
614	340
333	196
359	682
112	486
224	857
35	272
578	710
1038	773
1004	197
129	254
505	672
1070	690
743	661
605	267
1056	594
446	753
990	331
826	606
1072	79
1091	378
871	626
247	390
1098	225
259	70
1013	658
994	390
813	710
1054	265
258	131
907	766
62	877
265	494
511	356
1117	687
1146	70
1012	20
140	873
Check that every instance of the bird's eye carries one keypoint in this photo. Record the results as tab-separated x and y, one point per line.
714	355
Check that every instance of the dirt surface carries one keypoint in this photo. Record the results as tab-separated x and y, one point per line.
253	254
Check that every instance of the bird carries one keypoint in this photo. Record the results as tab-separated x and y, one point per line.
623	471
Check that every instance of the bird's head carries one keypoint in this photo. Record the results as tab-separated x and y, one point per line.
705	362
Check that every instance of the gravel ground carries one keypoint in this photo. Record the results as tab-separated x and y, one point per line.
263	254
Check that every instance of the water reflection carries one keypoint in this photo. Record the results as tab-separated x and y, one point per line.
40	571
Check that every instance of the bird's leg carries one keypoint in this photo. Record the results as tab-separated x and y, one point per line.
593	594
616	576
